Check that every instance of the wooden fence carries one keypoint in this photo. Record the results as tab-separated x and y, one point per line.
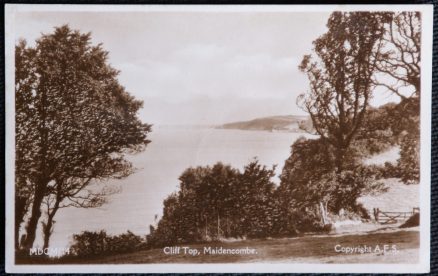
386	217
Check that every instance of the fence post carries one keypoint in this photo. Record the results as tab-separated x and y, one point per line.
376	214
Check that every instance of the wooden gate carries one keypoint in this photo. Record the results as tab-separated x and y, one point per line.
387	217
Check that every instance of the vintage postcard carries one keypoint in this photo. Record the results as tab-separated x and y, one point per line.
218	138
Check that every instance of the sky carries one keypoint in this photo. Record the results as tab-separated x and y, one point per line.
198	68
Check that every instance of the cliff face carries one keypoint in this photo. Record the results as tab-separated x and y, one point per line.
290	123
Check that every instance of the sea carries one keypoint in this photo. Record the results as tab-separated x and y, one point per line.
173	149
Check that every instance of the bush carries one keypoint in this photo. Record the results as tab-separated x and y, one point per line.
89	243
413	221
216	202
409	162
352	184
100	243
310	221
310	180
304	220
407	167
123	243
391	171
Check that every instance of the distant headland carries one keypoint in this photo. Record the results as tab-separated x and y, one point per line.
283	123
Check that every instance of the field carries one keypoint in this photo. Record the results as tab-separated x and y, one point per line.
305	249
399	197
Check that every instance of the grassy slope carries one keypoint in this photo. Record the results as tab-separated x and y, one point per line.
399	197
302	249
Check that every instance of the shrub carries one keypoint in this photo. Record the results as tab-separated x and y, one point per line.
89	243
413	221
216	202
353	183
100	243
409	162
123	243
310	182
391	171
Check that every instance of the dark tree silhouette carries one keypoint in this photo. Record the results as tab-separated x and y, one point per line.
401	57
311	188
399	64
25	172
72	192
216	202
74	121
341	77
341	81
256	203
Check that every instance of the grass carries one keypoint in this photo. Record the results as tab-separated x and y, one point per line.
399	198
301	249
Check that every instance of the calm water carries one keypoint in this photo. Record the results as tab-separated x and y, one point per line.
173	149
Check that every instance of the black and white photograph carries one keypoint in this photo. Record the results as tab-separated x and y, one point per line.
231	138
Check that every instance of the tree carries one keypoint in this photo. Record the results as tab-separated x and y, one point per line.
72	193
218	201
311	188
399	67
24	110
90	244
409	161
306	184
255	201
208	197
341	77
400	59
341	82
78	119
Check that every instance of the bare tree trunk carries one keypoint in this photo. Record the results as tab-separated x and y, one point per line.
48	227
323	213
47	231
35	215
218	225
20	211
206	227
42	180
340	155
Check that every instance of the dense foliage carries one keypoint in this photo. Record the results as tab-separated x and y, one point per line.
73	123
340	76
309	178
323	178
218	202
88	244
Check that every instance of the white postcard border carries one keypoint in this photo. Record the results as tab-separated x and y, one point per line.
426	100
